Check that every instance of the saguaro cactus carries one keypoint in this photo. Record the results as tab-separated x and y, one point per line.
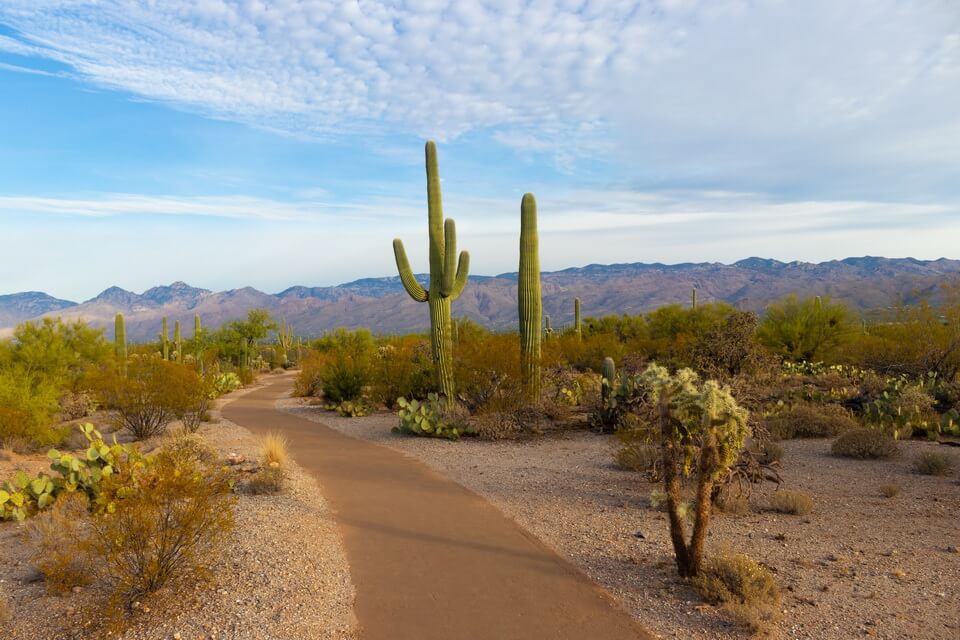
164	342
448	276
120	343
177	341
284	340
693	299
548	328
609	373
528	295
576	318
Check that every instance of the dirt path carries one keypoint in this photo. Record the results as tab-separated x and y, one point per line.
430	559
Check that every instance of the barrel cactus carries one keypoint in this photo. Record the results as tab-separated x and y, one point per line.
448	276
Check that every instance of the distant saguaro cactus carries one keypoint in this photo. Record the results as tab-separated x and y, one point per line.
448	276
164	341
530	303
693	299
548	328
576	318
120	343
284	341
609	373
177	341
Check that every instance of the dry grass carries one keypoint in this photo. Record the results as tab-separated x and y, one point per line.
268	481
932	463
738	505
792	502
747	591
890	490
5	613
59	544
810	421
273	449
865	444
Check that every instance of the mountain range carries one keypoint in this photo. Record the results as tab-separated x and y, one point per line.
865	283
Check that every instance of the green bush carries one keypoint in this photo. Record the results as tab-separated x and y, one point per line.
865	444
803	329
402	368
810	421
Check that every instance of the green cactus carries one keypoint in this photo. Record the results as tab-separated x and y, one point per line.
448	276
120	343
576	318
164	342
693	299
548	328
177	341
198	341
284	340
609	373
530	304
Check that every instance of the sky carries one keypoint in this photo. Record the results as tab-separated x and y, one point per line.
230	143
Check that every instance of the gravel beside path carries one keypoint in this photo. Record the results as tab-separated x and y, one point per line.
860	565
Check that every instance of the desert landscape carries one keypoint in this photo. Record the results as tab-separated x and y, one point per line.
544	320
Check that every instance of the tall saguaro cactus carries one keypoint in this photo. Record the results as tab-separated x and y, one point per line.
177	340
530	302
693	299
547	328
164	341
448	276
120	343
284	340
576	318
198	341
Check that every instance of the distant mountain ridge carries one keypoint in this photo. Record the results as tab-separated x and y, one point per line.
382	305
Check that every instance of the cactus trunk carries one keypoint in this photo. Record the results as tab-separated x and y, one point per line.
177	341
576	317
530	304
548	328
120	343
693	299
448	277
164	342
609	373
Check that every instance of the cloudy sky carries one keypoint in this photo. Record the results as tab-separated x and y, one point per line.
272	143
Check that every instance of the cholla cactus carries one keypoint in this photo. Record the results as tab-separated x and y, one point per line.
448	276
530	303
702	431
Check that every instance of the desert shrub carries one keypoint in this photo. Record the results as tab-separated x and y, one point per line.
771	452
192	402
273	449
729	348
638	451
151	395
864	443
344	376
233	340
163	526
58	539
402	368
520	421
432	418
889	490
733	503
932	463
903	408
247	376
791	502
76	404
28	409
187	444
810	421
746	590
486	371
268	481
349	408
803	329
309	380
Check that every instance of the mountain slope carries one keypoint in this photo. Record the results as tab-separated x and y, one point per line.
382	305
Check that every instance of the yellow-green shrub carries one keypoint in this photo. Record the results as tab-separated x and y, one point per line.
747	591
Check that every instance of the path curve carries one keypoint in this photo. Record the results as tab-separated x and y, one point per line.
431	560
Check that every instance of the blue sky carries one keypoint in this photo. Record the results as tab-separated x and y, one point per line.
232	143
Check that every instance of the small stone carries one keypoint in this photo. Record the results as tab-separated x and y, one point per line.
952	549
639	534
77	589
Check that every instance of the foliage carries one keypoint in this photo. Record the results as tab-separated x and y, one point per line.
803	329
932	463
309	380
345	364
268	481
902	408
747	591
429	418
808	420
224	383
22	496
273	449
349	408
28	409
729	348
487	368
402	367
232	340
163	524
792	502
864	444
152	394
59	545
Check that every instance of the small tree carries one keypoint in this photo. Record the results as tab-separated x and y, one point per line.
803	329
702	431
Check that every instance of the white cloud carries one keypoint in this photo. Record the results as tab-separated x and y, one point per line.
783	94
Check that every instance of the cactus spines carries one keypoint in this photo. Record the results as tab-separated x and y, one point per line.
609	372
448	276
164	342
530	302
693	299
120	343
576	318
177	341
